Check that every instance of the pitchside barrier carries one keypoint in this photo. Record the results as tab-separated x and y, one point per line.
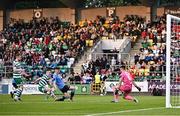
146	82
4	89
146	86
79	88
7	71
33	89
161	85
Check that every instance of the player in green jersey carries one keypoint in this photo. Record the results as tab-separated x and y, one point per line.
44	84
18	73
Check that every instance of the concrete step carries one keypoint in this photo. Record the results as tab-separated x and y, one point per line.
80	62
138	44
77	70
84	58
134	51
140	40
136	47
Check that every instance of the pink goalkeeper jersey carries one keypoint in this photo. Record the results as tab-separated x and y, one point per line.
126	79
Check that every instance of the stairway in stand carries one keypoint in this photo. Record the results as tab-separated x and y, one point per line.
78	66
134	50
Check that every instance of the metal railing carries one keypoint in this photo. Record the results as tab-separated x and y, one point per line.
7	71
118	56
141	74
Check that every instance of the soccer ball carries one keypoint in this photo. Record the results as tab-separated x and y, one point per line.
16	98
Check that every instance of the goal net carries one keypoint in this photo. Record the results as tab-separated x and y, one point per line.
173	62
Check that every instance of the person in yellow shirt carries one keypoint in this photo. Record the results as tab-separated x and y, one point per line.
97	78
59	37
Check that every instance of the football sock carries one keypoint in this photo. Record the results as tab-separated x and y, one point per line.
72	94
128	97
18	92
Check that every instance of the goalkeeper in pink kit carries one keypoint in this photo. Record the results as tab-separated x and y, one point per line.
125	86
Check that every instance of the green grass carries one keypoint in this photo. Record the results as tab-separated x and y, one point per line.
83	105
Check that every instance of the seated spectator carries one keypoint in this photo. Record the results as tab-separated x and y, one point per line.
178	77
1	51
63	60
53	64
86	78
144	34
136	58
77	78
42	61
71	79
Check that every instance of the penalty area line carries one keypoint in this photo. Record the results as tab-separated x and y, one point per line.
125	111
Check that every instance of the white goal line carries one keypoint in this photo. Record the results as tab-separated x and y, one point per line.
125	111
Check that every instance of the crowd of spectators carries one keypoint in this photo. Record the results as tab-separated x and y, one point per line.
149	63
108	65
131	26
151	60
48	42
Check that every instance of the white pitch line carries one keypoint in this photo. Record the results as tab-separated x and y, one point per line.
41	102
21	102
124	111
42	113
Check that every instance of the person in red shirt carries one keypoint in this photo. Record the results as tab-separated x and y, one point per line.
144	34
47	40
178	77
36	41
151	36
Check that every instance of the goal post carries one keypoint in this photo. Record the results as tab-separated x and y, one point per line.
172	65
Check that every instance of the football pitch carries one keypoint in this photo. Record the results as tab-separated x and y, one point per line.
84	105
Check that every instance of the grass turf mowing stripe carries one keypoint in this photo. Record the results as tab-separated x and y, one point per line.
43	113
125	111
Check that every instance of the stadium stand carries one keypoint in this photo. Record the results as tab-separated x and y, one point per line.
50	43
149	64
151	60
